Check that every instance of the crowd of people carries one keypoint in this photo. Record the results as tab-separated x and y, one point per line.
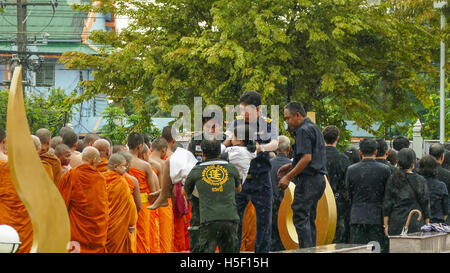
158	197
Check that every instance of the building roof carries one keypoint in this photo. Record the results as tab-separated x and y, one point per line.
64	24
51	48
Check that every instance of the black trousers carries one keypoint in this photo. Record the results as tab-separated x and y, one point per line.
365	233
222	234
308	191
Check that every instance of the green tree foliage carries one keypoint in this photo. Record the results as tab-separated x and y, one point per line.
343	59
119	125
49	112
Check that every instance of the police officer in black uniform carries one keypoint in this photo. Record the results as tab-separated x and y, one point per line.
307	171
257	187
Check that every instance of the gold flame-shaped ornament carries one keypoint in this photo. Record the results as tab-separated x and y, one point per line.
45	206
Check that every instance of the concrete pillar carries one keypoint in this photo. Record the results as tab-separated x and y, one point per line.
417	139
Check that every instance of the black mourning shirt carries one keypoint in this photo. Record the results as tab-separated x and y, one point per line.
309	140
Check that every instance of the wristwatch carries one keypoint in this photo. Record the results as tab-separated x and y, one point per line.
262	148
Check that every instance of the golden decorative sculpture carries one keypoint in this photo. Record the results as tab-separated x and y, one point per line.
48	213
325	220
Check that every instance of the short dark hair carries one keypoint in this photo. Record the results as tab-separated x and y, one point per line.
251	98
437	150
428	166
382	147
146	138
446	162
392	157
330	134
368	146
70	138
406	158
2	134
400	142
353	155
295	107
249	141
159	144
210	148
167	133
134	140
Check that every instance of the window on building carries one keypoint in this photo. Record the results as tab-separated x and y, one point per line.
45	76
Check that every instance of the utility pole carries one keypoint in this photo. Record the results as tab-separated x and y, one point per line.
22	37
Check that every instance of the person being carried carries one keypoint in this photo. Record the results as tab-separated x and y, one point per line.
242	151
215	182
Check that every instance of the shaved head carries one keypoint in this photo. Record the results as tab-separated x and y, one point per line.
44	136
127	155
90	155
115	159
55	141
60	149
64	130
90	139
103	147
37	143
63	152
117	148
70	139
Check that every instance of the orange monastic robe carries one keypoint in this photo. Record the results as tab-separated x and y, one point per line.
13	211
143	222
103	165
48	169
84	191
133	236
55	165
122	213
166	227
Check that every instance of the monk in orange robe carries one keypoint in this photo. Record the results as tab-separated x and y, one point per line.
84	191
103	146
12	210
44	136
46	165
143	172
154	226
122	210
63	153
71	140
133	184
166	215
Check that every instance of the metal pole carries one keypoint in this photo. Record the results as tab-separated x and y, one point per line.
442	86
22	37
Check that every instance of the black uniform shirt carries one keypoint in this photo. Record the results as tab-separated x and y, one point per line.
438	199
337	164
366	181
309	140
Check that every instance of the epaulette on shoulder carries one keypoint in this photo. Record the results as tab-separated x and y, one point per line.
239	117
268	120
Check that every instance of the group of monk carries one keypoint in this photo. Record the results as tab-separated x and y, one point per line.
107	190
